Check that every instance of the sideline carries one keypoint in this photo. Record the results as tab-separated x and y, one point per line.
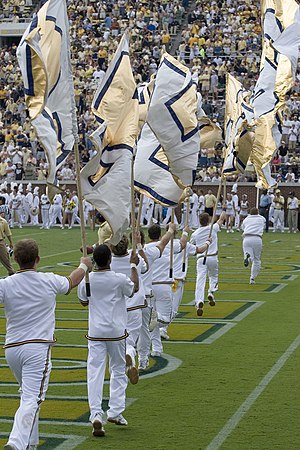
251	399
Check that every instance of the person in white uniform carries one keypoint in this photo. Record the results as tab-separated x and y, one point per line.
253	227
194	218
45	208
34	210
162	288
210	268
278	212
107	335
153	251
28	202
15	206
56	210
121	264
30	323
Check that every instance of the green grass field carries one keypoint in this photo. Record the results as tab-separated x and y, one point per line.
228	380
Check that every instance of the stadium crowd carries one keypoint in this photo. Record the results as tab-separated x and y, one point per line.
211	38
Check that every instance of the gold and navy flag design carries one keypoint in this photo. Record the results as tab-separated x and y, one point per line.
44	58
281	30
106	179
172	116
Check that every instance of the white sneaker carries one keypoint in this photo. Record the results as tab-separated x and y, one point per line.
199	308
295	231
231	231
282	231
131	371
41	228
118	420
143	364
228	231
153	320
98	429
9	446
156	354
163	334
246	260
274	231
252	281
211	299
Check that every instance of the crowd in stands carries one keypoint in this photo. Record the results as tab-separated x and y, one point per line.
212	38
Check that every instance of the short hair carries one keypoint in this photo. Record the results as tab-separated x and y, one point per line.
154	232
204	219
121	248
253	211
101	255
26	252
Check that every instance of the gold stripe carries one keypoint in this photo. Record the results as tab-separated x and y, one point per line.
25	270
30	341
70	286
107	339
44	374
133	308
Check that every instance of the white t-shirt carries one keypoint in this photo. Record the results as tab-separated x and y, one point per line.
178	260
199	237
29	299
153	254
121	264
254	224
107	304
161	271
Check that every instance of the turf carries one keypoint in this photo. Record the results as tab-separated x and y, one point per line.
222	358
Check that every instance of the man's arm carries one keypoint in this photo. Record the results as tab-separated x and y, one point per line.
221	219
204	247
184	237
166	238
78	274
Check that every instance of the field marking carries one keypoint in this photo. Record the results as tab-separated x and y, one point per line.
278	287
251	399
61	253
71	441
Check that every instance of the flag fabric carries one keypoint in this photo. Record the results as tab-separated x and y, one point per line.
281	28
44	58
106	179
152	176
172	116
237	127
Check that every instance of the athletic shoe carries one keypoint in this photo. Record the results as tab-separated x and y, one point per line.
119	420
143	365
164	335
10	447
156	354
41	228
282	231
131	371
274	231
200	309
98	429
231	231
153	320
228	231
246	260
295	231
211	299
252	281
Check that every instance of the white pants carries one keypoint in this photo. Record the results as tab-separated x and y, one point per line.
144	341
75	217
34	220
195	219
26	213
56	214
177	297
210	268
96	365
164	306
45	218
31	365
134	325
16	217
149	214
253	246
168	217
278	219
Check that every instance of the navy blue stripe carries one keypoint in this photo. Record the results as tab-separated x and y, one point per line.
48	117
155	161
248	108
142	98
154	194
118	147
33	24
57	28
271	63
169	103
109	80
30	90
173	67
58	78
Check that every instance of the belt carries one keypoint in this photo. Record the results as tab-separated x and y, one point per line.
202	256
162	282
278	209
256	235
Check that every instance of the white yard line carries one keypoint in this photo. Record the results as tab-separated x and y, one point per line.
234	421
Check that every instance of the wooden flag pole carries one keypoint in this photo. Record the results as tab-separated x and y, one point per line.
186	224
214	215
172	246
138	220
257	198
80	206
133	229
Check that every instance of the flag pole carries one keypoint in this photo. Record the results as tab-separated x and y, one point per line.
257	198
214	215
80	205
186	224
172	246
138	220
133	223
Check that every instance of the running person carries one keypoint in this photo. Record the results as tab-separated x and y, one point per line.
253	227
